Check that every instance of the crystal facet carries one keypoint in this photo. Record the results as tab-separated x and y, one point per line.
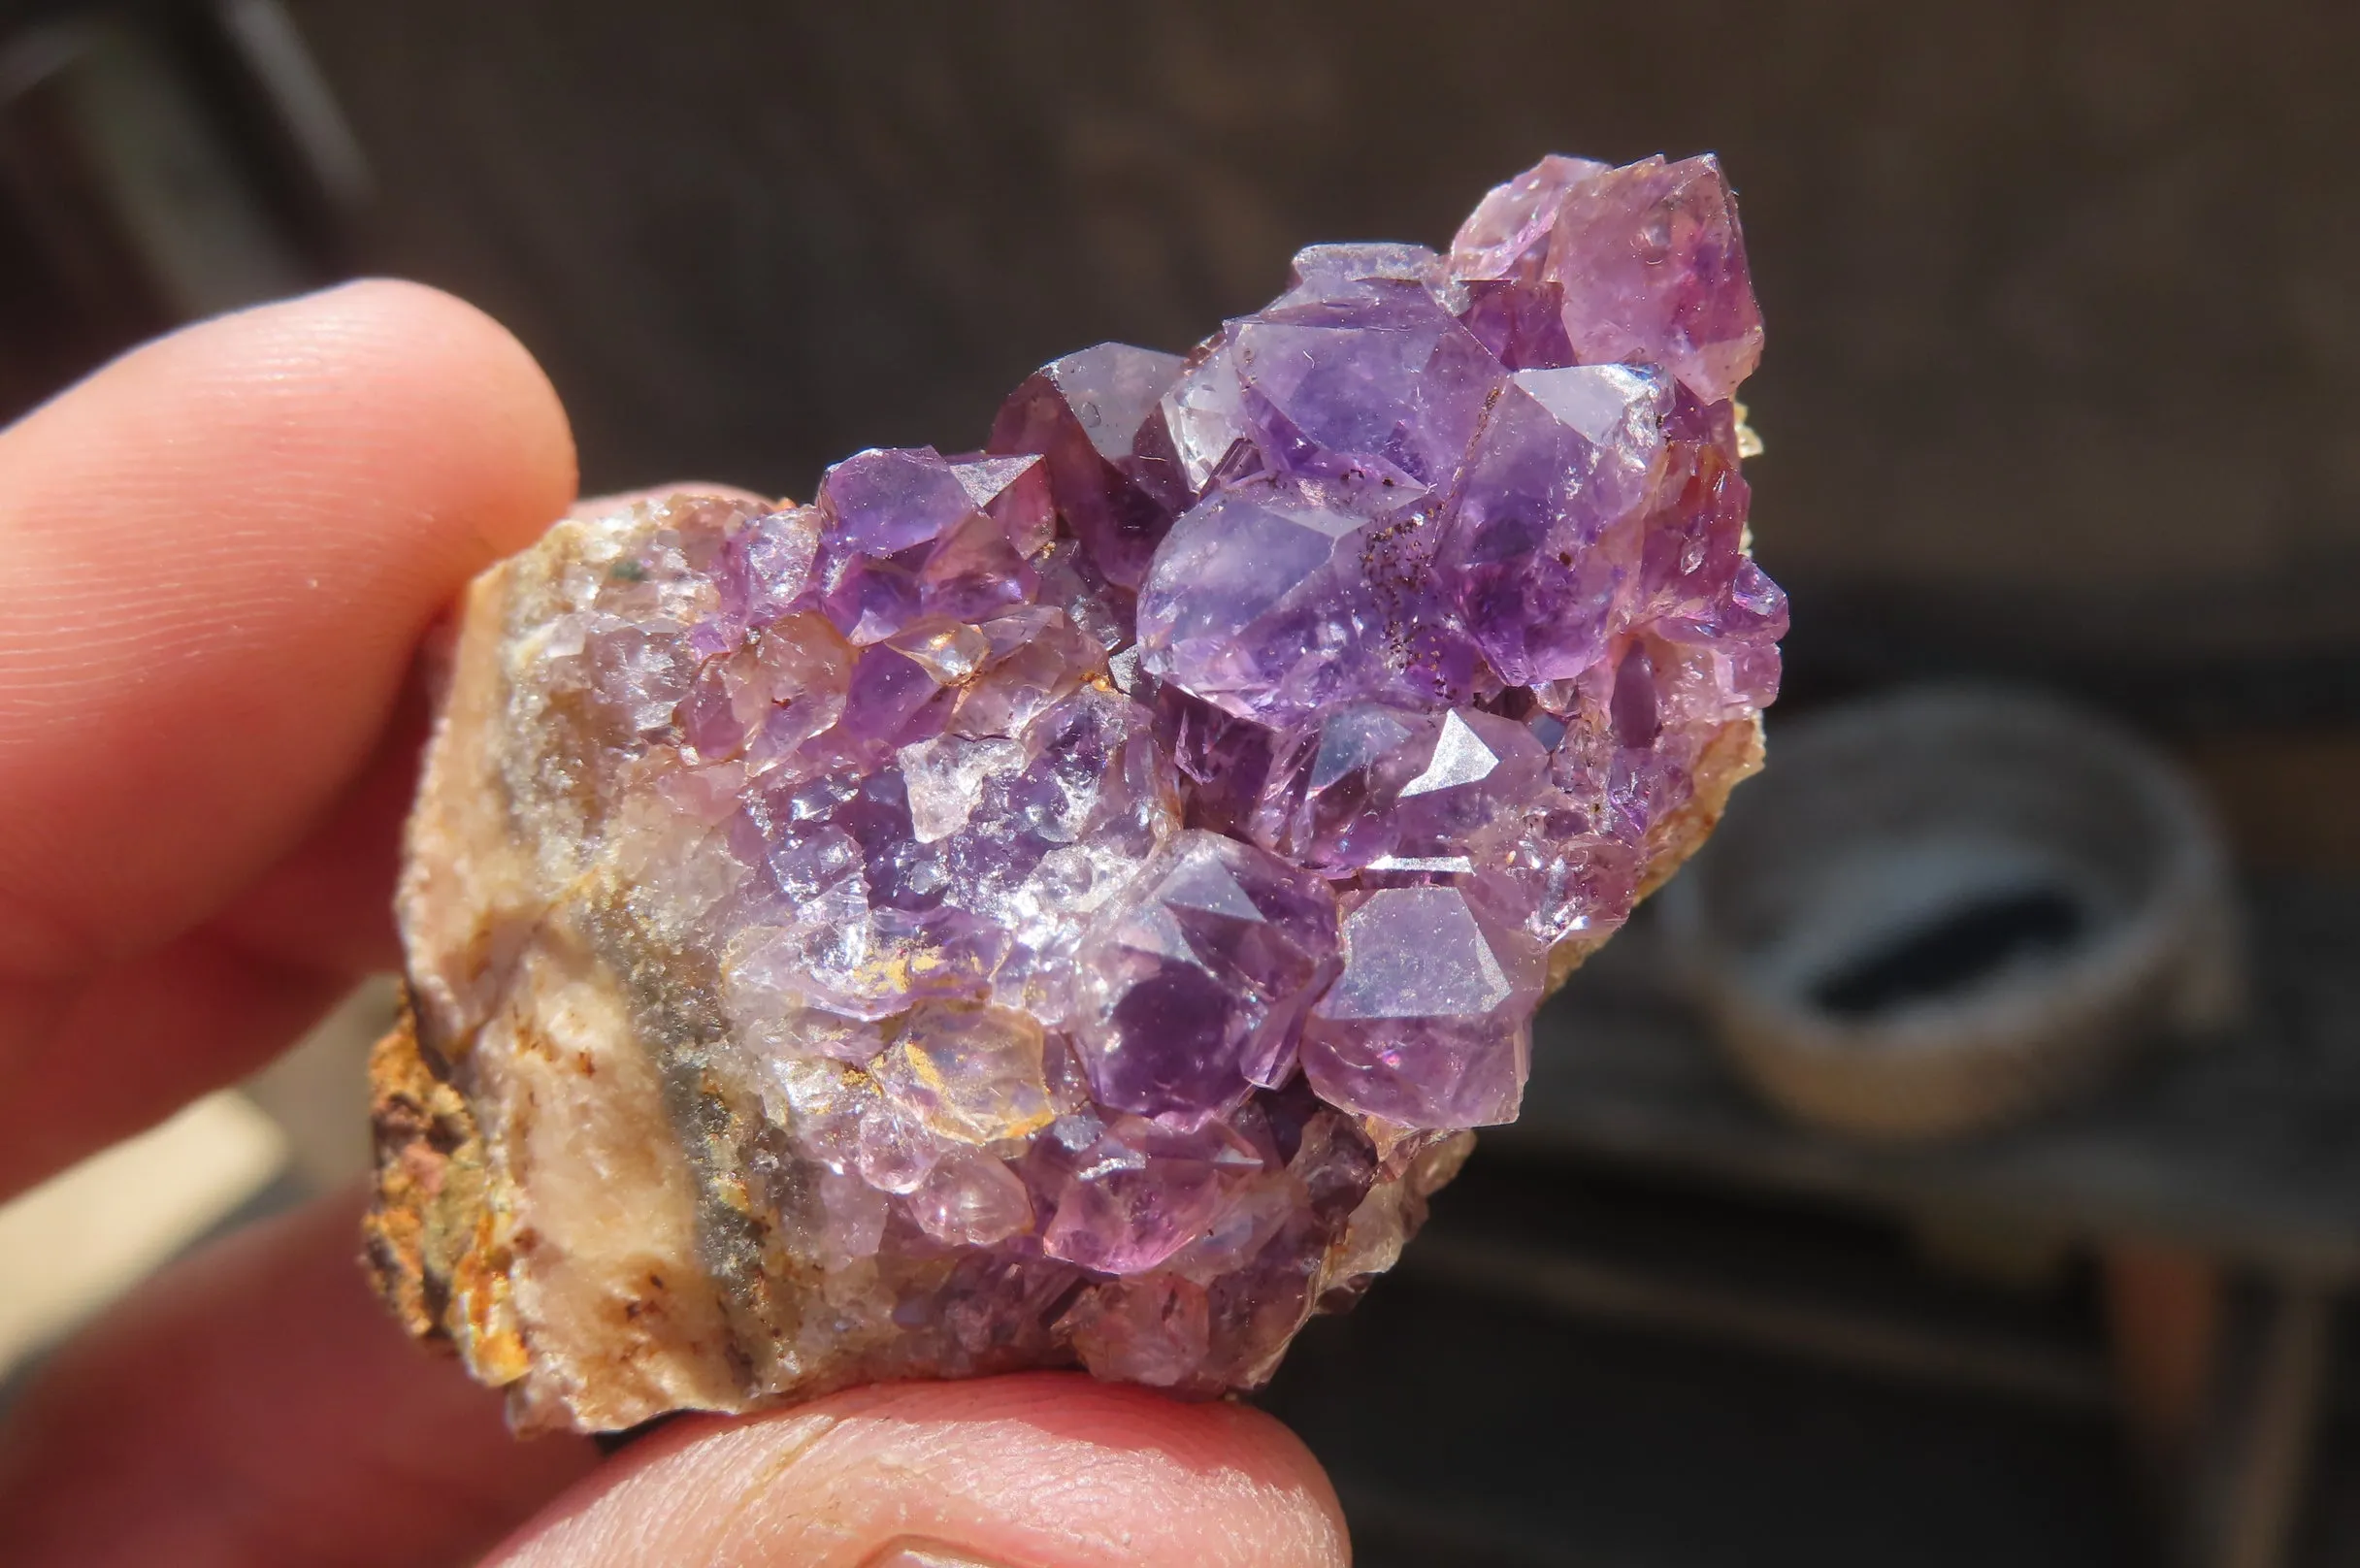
1197	984
1067	902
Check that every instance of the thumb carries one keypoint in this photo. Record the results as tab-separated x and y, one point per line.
1037	1471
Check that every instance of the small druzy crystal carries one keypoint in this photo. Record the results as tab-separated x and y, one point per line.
1068	904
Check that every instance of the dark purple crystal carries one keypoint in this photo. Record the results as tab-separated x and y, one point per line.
1198	978
1086	414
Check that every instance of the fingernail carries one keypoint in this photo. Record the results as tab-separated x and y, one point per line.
909	1552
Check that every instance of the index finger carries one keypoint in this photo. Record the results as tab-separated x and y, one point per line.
222	549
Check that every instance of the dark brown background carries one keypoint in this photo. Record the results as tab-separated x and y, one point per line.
2062	299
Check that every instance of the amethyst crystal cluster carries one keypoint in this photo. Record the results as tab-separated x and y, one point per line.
1067	901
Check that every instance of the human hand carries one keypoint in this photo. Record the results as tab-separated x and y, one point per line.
222	550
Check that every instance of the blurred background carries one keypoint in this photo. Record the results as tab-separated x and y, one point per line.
2057	399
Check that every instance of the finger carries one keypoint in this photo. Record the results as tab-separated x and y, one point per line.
140	1040
174	1022
263	1411
328	904
1039	1471
222	549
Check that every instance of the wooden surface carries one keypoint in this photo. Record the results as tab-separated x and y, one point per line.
2247	1147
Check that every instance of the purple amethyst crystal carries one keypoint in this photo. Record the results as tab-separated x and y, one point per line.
1071	901
1647	260
1273	603
1195	984
1431	1023
1089	416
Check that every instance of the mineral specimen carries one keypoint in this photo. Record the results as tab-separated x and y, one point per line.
1070	902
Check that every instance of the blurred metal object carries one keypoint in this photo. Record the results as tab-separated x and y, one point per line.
305	106
194	228
1944	910
158	165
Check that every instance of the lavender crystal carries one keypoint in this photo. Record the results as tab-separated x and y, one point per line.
1116	867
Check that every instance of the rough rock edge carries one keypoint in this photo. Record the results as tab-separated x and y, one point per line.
429	1236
